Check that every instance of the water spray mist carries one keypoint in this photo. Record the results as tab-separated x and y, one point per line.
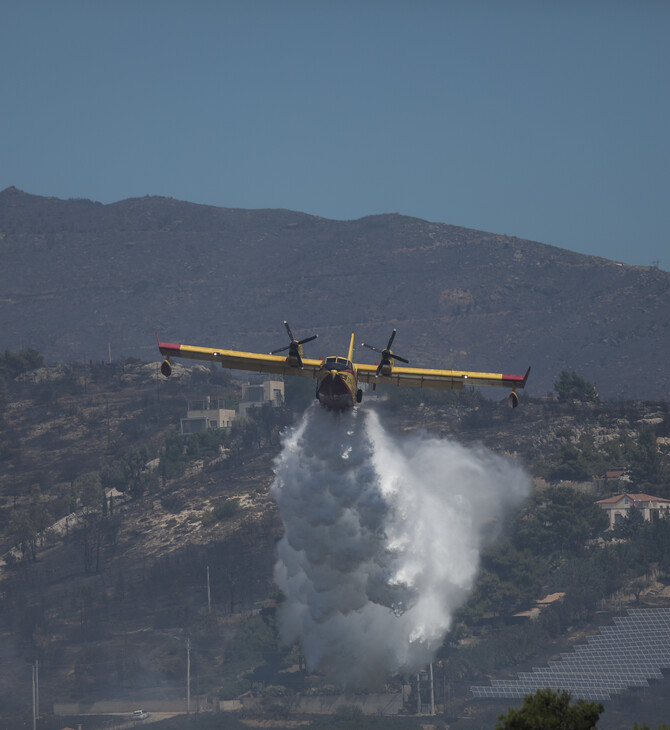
381	544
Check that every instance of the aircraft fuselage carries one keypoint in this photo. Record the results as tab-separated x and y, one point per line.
336	384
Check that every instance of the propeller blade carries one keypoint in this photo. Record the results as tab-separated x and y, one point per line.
293	346
386	353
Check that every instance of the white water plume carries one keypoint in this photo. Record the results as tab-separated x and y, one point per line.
381	540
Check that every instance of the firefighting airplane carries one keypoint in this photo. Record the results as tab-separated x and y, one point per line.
337	378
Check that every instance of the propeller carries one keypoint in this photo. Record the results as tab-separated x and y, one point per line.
294	346
386	353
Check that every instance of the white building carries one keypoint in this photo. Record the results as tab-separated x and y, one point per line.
208	413
254	396
651	507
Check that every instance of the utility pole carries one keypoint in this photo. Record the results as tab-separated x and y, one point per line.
432	691
209	595
34	698
418	693
188	676
37	688
107	415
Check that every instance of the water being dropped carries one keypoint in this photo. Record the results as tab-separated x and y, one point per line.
381	544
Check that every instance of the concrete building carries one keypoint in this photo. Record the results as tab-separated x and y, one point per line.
652	508
211	413
204	414
254	396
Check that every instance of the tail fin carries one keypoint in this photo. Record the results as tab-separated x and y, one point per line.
350	356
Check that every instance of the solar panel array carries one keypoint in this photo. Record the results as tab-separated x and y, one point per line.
625	655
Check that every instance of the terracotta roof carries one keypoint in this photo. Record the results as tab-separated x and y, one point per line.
530	613
539	605
633	497
550	598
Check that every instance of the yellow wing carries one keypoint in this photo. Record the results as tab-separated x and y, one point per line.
450	379
239	360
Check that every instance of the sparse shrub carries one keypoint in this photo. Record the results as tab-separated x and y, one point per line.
173	502
13	364
226	508
570	386
222	510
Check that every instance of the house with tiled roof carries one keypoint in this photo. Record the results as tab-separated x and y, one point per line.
651	508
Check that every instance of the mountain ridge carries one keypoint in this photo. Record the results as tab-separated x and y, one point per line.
80	276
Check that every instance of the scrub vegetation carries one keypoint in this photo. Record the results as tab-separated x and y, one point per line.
109	519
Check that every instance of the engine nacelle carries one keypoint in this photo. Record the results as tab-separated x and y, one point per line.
385	367
166	368
513	400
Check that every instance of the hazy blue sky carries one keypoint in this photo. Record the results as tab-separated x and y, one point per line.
546	120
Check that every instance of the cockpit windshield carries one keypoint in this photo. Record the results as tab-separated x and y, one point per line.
336	363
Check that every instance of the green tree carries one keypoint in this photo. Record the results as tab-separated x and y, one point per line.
137	477
558	519
509	579
27	524
492	595
577	461
173	460
570	465
129	473
15	363
549	710
630	525
39	514
23	532
570	386
88	489
645	460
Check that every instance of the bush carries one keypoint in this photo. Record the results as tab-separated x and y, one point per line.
13	364
173	502
222	510
549	709
570	386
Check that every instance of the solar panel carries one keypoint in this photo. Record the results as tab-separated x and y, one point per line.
624	655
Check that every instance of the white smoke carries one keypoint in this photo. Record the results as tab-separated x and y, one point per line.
381	540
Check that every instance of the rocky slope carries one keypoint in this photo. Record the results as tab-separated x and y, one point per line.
79	278
107	600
